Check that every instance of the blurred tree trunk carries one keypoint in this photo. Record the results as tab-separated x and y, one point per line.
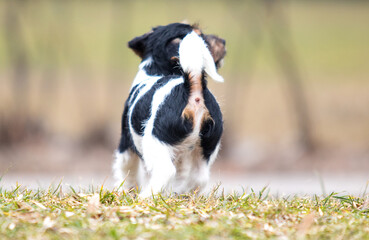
17	55
14	125
51	73
283	49
237	89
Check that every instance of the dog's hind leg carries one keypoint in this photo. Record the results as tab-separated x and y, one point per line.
200	176
158	162
125	168
126	162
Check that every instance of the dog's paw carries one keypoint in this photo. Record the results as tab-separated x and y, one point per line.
145	194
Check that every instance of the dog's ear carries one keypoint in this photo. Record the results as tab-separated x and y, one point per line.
172	50
217	49
138	44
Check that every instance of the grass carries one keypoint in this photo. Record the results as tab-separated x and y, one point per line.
104	214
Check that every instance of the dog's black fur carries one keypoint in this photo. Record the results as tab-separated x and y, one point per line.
158	44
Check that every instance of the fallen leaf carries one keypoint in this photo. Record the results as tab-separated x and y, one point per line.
69	214
38	205
306	223
365	205
320	212
48	223
93	204
11	226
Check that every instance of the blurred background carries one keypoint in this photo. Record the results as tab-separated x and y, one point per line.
295	98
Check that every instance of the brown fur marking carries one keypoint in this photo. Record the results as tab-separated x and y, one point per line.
196	28
197	31
195	107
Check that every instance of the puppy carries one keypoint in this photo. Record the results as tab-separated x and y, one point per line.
171	123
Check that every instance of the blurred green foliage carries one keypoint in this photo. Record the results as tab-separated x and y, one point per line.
77	67
329	37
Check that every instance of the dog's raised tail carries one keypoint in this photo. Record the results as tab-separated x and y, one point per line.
195	57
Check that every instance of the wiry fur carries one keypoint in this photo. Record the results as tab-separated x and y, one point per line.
171	123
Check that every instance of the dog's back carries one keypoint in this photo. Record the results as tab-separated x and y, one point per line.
171	121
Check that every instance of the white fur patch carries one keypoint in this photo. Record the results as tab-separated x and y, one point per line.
125	169
141	74
142	77
214	155
147	85
117	168
157	155
158	161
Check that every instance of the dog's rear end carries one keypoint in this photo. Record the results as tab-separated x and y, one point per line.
172	124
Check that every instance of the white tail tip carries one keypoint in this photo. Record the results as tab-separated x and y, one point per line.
194	57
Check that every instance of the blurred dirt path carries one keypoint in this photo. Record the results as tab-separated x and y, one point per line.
282	184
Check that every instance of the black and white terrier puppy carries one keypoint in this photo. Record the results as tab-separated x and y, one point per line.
171	123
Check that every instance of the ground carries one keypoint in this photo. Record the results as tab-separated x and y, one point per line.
98	213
